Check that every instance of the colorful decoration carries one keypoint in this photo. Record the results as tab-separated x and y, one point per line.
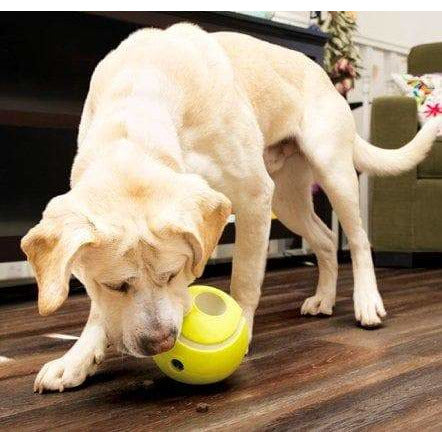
433	110
426	90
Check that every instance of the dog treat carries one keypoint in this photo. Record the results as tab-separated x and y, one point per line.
202	407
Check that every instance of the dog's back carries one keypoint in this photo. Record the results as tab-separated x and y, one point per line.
278	81
213	68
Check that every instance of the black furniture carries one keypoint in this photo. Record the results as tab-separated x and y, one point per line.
47	61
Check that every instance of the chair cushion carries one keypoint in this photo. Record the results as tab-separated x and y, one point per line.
425	59
431	167
427	214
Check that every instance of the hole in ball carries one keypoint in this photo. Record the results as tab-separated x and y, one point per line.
210	304
177	365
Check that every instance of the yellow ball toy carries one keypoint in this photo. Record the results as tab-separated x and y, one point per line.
213	341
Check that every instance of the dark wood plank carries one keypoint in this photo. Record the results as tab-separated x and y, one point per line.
301	374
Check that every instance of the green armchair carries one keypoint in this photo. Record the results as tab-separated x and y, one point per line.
406	211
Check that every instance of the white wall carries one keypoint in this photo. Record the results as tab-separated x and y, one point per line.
405	29
401	29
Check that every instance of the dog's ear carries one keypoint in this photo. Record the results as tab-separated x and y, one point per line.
52	246
205	231
200	221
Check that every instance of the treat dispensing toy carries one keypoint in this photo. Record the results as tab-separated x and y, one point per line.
213	340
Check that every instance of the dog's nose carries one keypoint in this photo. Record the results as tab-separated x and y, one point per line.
157	343
164	345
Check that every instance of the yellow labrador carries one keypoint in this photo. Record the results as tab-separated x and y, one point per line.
180	126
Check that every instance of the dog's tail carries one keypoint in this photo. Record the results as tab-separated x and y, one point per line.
376	161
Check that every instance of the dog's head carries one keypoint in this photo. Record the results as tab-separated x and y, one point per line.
136	242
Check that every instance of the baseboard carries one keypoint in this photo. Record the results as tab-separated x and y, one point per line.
407	259
393	259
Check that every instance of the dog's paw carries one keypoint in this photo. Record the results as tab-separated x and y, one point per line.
65	372
316	305
369	310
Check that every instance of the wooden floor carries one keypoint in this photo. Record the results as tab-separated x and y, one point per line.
302	373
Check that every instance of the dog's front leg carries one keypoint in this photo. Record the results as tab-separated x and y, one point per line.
79	362
252	225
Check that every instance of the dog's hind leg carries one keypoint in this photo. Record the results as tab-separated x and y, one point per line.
293	205
327	140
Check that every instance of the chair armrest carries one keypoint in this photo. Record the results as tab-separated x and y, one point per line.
393	121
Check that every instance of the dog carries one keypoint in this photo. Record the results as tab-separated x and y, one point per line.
179	128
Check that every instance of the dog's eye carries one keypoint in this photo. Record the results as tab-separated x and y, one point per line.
167	277
123	287
171	276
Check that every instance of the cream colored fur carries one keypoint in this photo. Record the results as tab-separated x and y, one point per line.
373	160
178	128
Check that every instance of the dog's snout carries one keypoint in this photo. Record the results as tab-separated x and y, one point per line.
164	345
158	342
